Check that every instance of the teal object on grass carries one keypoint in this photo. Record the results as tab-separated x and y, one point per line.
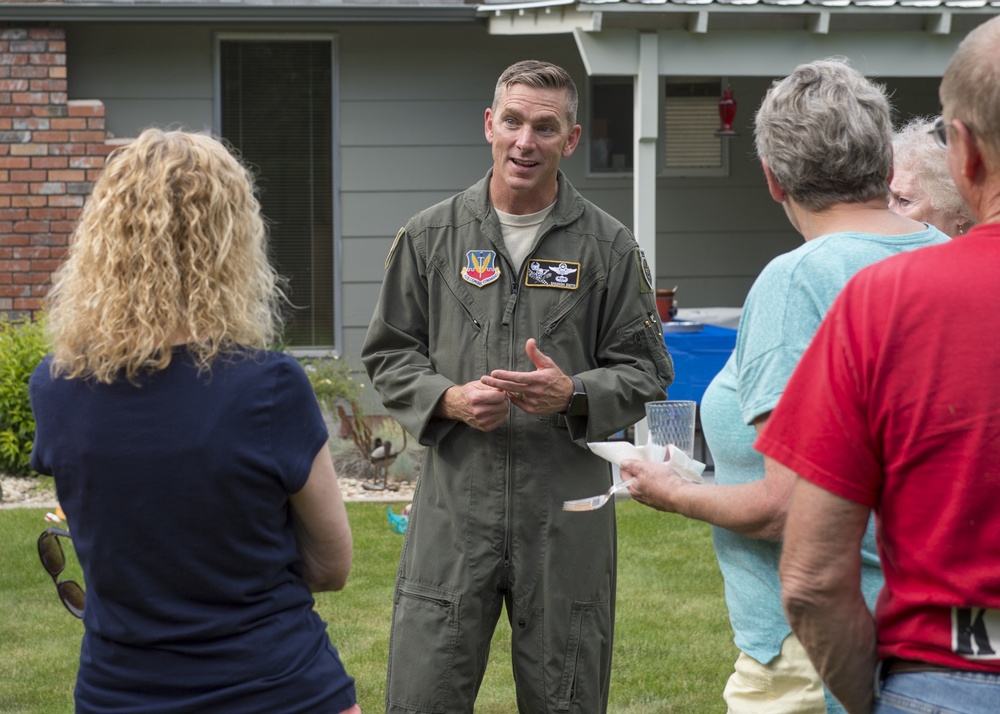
398	523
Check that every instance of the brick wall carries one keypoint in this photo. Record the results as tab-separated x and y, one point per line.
51	151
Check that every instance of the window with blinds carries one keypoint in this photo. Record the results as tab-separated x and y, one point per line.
276	109
691	114
687	144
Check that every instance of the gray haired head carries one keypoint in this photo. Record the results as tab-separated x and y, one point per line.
825	133
970	88
540	75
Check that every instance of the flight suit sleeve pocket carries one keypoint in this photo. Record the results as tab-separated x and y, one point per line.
422	647
643	338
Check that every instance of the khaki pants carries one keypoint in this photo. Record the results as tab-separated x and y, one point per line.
788	685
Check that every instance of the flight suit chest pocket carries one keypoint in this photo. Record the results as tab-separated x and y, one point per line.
459	323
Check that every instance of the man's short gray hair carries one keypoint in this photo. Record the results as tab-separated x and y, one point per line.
541	75
825	132
970	88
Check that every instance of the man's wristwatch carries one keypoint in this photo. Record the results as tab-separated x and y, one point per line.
577	405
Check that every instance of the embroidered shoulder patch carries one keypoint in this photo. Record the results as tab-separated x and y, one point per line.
392	248
647	274
481	267
552	274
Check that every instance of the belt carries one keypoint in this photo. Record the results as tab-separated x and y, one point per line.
894	665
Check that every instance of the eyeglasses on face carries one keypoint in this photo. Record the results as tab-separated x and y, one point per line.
53	559
939	130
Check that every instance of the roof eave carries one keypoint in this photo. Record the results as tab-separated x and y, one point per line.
239	12
595	16
650	7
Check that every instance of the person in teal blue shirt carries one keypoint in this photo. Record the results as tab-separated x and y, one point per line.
823	135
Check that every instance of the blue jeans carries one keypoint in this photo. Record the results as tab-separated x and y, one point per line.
955	692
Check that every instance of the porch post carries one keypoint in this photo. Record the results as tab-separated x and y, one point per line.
644	162
646	119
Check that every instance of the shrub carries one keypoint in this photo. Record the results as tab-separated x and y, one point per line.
340	396
333	381
22	347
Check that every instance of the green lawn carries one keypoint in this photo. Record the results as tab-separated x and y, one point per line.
673	645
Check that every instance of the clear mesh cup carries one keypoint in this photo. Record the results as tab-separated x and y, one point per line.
672	422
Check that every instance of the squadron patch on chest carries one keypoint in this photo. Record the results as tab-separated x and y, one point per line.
481	267
552	274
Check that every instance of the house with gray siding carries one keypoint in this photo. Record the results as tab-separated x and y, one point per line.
355	115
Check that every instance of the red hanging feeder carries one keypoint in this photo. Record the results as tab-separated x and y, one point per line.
727	113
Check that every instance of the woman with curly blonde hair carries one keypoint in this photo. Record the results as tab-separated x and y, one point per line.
191	461
170	249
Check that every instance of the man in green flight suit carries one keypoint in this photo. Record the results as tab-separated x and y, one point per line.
516	322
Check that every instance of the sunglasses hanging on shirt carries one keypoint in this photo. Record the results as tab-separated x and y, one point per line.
50	552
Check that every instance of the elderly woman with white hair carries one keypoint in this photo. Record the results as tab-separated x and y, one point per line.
921	186
823	135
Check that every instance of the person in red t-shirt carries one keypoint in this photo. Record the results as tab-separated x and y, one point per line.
892	408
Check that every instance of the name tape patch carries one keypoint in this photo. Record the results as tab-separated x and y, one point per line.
552	274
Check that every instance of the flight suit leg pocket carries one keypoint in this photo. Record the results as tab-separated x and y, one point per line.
587	646
422	647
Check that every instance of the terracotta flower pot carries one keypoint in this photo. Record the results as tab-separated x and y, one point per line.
665	305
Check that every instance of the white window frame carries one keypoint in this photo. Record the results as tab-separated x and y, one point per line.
337	272
721	171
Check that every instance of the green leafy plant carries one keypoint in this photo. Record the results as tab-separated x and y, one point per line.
22	347
333	381
340	395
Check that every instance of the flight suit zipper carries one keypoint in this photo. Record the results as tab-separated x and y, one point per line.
509	477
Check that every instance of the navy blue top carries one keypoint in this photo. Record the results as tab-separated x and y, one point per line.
176	491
